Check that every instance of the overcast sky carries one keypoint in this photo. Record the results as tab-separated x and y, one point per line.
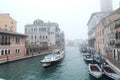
71	15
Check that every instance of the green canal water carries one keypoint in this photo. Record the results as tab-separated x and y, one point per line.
72	67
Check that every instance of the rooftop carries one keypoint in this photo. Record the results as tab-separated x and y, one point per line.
2	31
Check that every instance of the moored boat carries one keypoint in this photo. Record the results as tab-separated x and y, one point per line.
53	58
88	58
95	70
97	58
111	72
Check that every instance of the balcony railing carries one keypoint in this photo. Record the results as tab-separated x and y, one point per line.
5	43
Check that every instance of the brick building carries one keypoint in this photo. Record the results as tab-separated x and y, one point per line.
12	45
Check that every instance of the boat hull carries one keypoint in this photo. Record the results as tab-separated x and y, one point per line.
96	76
97	73
49	62
112	74
90	59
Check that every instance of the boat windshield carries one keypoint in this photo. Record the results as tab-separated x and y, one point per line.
56	52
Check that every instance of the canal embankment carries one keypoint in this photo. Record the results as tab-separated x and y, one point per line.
17	58
115	67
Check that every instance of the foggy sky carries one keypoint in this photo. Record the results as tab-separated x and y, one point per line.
71	15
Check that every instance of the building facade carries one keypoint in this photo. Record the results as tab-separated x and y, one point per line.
54	34
92	23
99	37
62	39
38	33
7	23
112	48
12	45
107	36
43	34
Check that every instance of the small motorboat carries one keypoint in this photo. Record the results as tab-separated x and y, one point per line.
111	72
55	57
97	58
88	58
95	70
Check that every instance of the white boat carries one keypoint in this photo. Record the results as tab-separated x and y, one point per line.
53	58
88	58
85	54
2	79
95	70
111	72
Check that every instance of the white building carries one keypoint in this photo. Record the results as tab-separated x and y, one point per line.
43	34
106	9
54	34
38	33
93	21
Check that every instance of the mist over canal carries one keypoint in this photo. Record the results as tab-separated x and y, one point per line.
72	67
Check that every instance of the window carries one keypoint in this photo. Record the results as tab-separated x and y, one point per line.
35	36
17	50
5	40
31	36
40	43
2	52
12	22
8	51
35	43
5	52
32	29
17	39
116	35
119	35
25	30
5	25
0	39
52	32
40	36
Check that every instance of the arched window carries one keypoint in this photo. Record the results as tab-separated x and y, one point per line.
5	52
2	52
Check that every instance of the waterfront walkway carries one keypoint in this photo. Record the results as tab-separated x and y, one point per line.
5	60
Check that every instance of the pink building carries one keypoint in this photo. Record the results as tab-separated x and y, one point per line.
108	36
99	35
12	45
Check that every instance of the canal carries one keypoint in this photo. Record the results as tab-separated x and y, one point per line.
71	68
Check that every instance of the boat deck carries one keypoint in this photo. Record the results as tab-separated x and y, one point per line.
94	68
109	70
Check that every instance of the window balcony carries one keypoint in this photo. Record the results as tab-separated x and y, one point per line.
4	43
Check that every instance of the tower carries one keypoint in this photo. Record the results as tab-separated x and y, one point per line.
106	5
